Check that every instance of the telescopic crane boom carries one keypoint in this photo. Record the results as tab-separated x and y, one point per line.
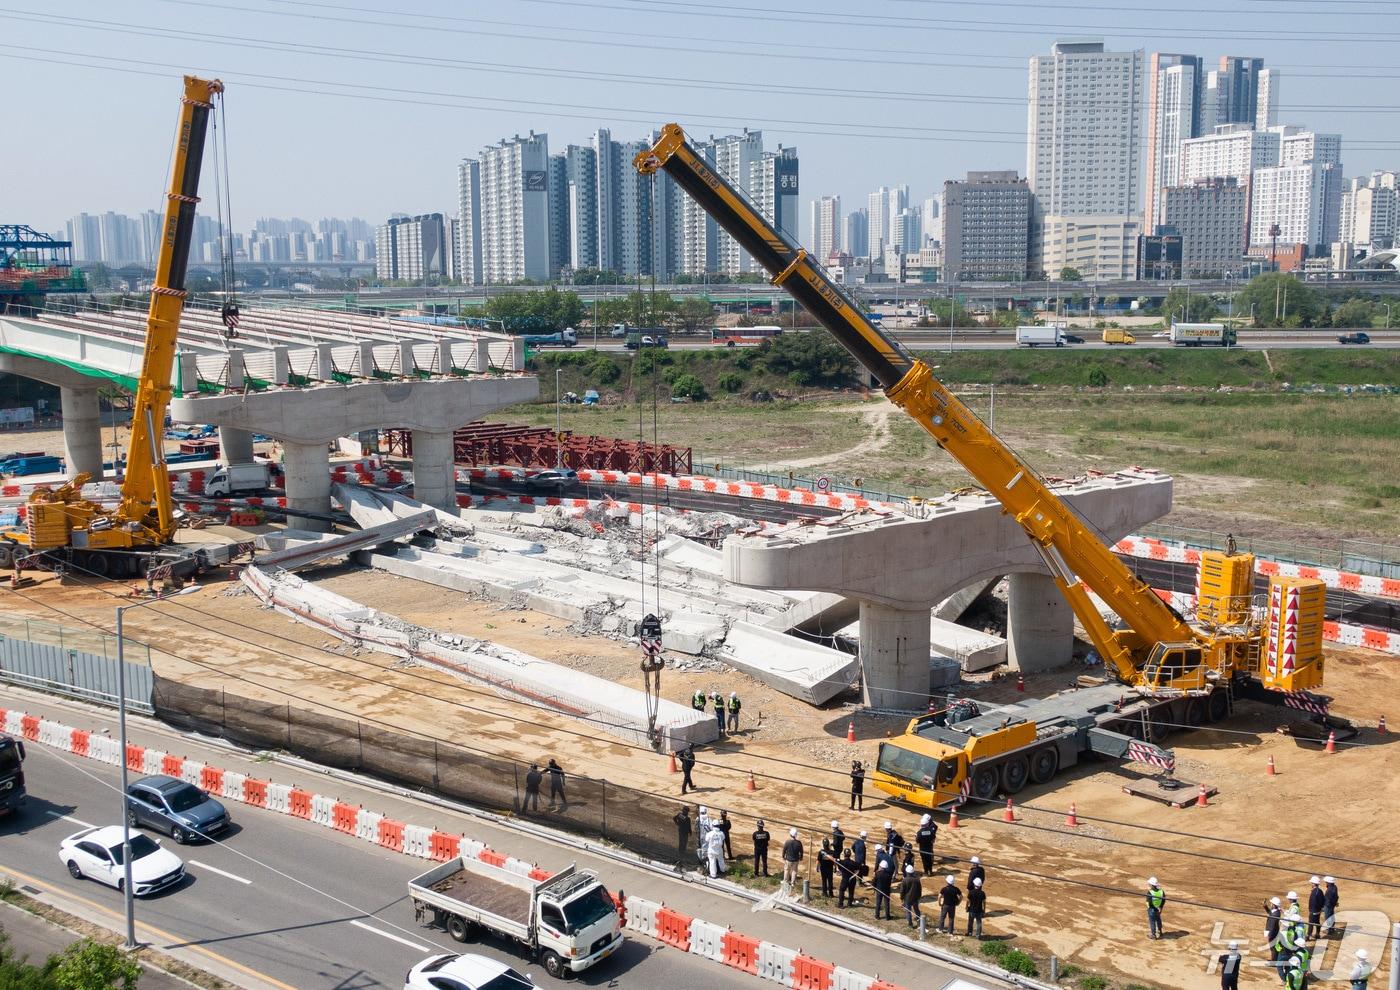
1158	650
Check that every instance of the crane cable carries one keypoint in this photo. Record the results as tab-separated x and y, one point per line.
223	197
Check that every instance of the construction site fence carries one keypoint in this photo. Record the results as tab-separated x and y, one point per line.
1354	556
78	663
636	820
790	479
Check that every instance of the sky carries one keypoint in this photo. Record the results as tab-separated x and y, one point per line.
364	108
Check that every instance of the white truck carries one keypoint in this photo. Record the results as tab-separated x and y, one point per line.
1050	335
570	922
236	478
1203	334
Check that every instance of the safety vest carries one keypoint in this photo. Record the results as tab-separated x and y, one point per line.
1293	979
1289	934
1157	897
734	704
698	700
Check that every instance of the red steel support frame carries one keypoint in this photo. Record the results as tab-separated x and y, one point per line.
502	444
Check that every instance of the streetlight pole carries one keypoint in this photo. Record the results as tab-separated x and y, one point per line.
558	442
127	896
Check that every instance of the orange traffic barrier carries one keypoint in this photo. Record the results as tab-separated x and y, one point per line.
751	785
211	779
79	744
811	974
1072	819
740	952
1201	799
492	858
673	928
1270	771
953	818
443	846
1331	742
539	874
1008	815
29	727
135	757
674	768
173	766
255	792
851	731
299	804
344	817
391	835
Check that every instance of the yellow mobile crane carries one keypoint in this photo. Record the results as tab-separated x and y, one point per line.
61	527
1171	672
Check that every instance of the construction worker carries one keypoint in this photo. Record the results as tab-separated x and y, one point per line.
703	824
1361	973
734	706
533	779
714	852
718	702
697	700
1273	920
761	839
687	761
884	878
893	840
977	872
858	854
1156	897
948	900
792	856
857	786
925	836
838	839
911	891
682	821
1230	963
1295	977
1316	898
850	876
556	785
1329	906
826	869
976	906
725	825
1304	955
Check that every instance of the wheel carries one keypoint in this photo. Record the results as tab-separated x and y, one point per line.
1044	763
98	564
131	818
73	870
553	965
984	782
7	556
1196	711
1014	774
1217	706
457	928
179	835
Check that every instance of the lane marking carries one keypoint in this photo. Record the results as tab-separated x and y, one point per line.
174	940
222	873
70	818
389	935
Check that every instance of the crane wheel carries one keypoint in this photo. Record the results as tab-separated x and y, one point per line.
1014	774
97	564
1217	706
1196	711
1044	763
984	782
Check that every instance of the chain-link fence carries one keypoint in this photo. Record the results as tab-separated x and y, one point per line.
642	822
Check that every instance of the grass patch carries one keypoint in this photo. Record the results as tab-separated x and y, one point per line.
1009	959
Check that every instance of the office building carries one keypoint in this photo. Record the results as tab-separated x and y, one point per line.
855	234
825	236
1173	115
469	222
1159	254
1211	215
411	249
515	209
1370	211
773	188
1100	248
1303	199
986	227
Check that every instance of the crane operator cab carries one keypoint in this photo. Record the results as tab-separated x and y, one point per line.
1175	666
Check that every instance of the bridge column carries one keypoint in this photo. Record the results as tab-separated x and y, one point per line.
434	474
894	653
235	446
82	432
308	467
1039	624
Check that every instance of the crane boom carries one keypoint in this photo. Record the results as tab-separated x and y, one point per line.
1077	559
146	490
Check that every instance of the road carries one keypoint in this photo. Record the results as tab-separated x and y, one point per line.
749	508
299	904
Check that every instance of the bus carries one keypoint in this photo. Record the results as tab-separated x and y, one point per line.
734	336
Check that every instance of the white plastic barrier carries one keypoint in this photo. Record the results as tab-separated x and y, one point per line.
470	848
104	749
193	771
775	963
14	722
367	825
844	979
279	798
518	866
641	915
415	840
1349	635
233	785
321	810
707	939
153	760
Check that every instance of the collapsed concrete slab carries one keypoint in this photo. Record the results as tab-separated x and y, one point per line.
305	554
805	670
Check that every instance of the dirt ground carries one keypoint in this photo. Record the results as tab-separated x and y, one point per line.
1317	808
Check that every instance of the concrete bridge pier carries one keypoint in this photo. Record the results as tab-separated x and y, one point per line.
82	431
235	446
1039	623
434	470
895	642
308	467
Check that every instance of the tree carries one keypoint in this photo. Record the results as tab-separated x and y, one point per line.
692	313
1197	307
1354	313
545	310
1278	299
689	387
807	359
89	965
1068	274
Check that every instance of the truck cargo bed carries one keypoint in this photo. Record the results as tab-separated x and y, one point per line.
485	894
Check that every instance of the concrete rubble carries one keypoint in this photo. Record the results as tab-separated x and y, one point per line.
805	670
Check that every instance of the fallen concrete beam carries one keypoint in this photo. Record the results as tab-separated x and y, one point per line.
806	671
342	546
951	609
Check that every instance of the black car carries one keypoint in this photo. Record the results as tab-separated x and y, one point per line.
1071	338
176	807
1354	338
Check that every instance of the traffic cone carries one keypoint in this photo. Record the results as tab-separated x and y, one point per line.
1072	819
1381	727
674	768
1332	742
1270	771
953	818
1020	681
1008	815
751	786
851	731
1201	800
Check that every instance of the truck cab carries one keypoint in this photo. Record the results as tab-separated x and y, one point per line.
1117	335
12	793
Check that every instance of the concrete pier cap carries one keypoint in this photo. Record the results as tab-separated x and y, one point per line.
899	567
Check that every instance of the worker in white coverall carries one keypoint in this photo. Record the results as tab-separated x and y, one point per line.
714	852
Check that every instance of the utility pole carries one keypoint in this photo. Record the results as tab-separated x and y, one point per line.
1274	231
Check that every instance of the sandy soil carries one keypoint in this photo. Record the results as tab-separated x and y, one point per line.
1296	819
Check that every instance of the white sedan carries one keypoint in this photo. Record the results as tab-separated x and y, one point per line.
96	853
465	972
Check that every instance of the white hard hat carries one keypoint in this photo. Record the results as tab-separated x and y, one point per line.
835	823
1329	879
976	881
792	832
888	825
1292	895
1315	880
863	833
1294	961
949	878
977	859
925	820
703	809
1151	881
1234	944
1275	902
1361	954
733	694
909	868
879	847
